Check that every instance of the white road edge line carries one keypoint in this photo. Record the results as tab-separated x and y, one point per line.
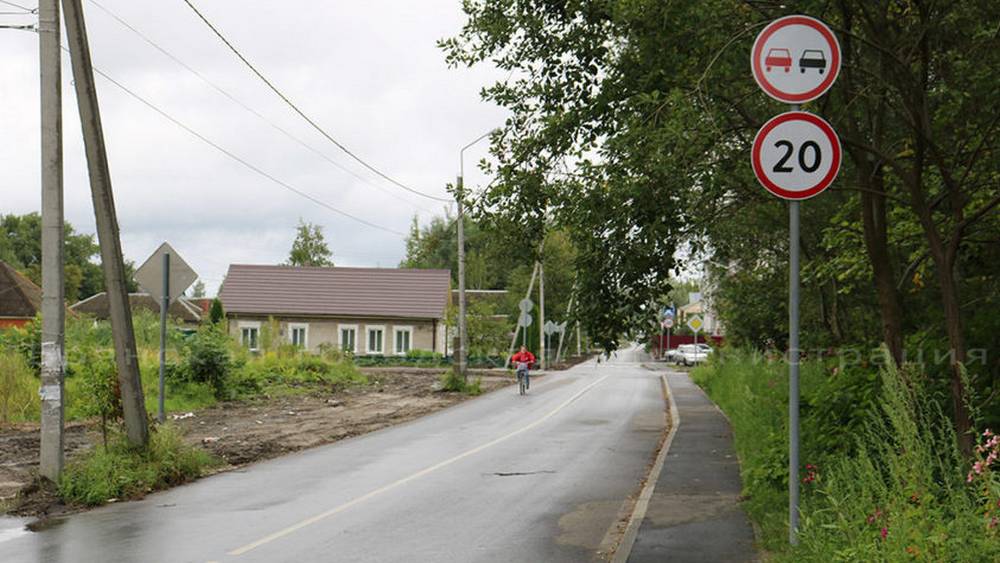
642	504
323	515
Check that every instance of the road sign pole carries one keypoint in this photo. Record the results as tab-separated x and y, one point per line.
793	368
793	372
161	413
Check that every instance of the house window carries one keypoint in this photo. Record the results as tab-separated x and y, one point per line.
375	338
349	338
402	339
250	335
298	334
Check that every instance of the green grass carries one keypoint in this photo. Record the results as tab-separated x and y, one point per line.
124	473
889	484
277	374
19	400
452	383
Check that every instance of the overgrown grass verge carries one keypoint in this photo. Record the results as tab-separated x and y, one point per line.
120	472
451	382
18	389
882	479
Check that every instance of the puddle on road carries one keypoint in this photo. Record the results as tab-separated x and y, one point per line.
11	528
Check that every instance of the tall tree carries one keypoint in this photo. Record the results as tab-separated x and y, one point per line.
631	122
309	247
20	246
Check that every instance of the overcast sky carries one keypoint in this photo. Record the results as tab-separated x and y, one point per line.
368	72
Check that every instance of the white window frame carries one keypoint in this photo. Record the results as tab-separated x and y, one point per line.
368	332
395	331
292	327
340	336
241	325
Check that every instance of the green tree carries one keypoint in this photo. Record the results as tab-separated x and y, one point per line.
309	247
215	314
631	123
198	291
21	246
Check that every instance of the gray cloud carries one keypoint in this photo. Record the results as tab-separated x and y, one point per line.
369	72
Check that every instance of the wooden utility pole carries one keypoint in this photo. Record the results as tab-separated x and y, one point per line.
53	292
133	405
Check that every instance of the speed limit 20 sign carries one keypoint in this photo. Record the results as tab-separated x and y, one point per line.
796	155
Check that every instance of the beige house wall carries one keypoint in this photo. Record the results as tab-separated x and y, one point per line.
327	331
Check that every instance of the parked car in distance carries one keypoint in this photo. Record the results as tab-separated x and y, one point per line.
670	355
778	58
690	354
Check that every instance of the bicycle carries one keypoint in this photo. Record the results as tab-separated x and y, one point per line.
523	380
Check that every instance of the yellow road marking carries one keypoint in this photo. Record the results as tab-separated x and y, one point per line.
323	515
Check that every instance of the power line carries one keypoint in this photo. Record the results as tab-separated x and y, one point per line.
246	107
20	7
303	115
235	157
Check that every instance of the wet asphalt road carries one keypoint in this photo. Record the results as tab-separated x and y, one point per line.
499	478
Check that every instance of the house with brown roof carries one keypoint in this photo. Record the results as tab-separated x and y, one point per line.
181	309
20	298
367	311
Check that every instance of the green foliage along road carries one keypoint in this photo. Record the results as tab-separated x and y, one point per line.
883	478
630	128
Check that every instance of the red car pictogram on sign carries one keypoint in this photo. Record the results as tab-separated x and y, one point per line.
778	58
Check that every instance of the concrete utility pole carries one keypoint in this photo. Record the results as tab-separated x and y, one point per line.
463	335
541	312
518	328
113	265
53	292
463	345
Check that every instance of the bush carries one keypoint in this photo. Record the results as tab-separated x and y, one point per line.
120	472
26	341
451	382
99	391
208	358
18	389
274	373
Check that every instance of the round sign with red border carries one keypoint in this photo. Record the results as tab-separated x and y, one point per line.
795	59
796	155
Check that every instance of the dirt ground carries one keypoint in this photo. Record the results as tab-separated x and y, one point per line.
244	432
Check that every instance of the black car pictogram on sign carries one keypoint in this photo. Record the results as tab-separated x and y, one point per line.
812	58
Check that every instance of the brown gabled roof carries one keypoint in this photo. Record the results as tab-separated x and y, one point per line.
19	297
97	305
345	292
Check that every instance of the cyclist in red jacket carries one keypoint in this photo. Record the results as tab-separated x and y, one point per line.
522	362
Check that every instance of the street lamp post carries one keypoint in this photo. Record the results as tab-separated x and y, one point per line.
463	348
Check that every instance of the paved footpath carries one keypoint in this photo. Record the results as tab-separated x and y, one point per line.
694	513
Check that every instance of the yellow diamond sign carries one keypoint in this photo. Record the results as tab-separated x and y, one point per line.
695	323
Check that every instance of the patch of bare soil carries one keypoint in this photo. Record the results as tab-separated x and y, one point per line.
244	432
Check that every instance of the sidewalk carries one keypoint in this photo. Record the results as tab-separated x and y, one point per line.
694	512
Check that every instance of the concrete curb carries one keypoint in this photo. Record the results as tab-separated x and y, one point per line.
642	504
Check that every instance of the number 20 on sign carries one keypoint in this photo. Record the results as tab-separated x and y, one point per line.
796	155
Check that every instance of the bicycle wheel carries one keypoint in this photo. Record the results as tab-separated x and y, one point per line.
520	382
